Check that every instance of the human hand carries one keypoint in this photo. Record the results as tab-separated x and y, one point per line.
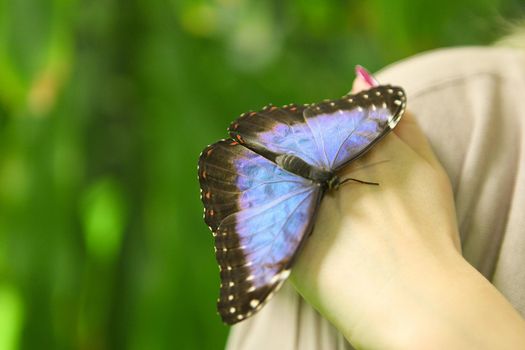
382	261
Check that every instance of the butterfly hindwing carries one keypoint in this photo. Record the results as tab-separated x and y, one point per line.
327	135
259	215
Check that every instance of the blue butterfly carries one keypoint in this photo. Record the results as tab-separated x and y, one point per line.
262	187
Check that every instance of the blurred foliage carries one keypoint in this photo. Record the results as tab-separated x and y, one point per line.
104	108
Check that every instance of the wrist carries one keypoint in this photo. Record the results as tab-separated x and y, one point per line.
412	308
436	303
366	282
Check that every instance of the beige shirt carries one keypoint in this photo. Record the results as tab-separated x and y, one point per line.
470	103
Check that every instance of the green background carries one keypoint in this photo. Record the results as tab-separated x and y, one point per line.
104	109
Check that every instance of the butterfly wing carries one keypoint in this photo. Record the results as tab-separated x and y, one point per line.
348	127
278	130
259	215
327	135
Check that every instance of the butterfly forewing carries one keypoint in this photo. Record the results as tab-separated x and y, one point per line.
327	135
346	128
277	130
259	215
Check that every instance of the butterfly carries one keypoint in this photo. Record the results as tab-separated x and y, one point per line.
261	188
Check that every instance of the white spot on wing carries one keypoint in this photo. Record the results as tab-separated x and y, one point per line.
284	275
280	276
392	123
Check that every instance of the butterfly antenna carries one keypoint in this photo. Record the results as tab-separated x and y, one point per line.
359	181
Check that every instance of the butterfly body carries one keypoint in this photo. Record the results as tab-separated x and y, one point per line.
299	167
262	187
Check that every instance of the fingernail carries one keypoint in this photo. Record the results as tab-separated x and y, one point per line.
361	72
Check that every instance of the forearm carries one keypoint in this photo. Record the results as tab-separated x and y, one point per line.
427	302
457	308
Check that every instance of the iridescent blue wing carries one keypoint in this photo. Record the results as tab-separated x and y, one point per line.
278	130
327	135
259	215
346	128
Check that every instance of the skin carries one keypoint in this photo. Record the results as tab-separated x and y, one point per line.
384	263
